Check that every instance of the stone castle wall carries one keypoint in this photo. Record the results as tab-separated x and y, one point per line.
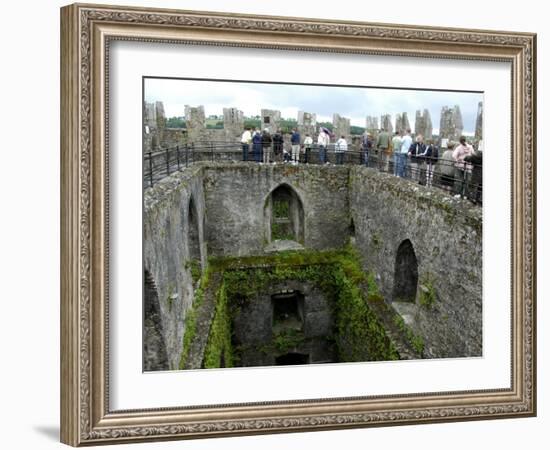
377	210
168	251
236	195
446	236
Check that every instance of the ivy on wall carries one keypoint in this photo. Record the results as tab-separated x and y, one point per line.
358	334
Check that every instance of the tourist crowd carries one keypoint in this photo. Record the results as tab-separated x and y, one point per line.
407	157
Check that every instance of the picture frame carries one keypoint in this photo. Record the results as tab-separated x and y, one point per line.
87	31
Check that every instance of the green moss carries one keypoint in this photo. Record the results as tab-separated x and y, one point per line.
416	342
358	334
281	231
372	286
195	266
428	295
281	209
219	352
376	240
191	319
287	340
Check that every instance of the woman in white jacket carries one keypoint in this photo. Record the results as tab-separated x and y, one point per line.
322	141
340	147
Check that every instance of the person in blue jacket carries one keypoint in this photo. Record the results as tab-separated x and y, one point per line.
257	146
295	142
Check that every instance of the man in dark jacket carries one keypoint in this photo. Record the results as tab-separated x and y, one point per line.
295	143
475	190
415	151
257	145
431	155
278	145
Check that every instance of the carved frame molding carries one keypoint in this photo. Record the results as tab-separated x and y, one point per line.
86	31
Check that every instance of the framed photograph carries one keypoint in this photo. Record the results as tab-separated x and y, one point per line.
275	224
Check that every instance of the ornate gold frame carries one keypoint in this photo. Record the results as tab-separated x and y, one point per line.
86	31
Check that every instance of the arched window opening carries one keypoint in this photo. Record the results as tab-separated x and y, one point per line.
406	273
351	229
285	215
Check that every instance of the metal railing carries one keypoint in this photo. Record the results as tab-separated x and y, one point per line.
463	180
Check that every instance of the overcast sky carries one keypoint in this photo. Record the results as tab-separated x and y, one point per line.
353	102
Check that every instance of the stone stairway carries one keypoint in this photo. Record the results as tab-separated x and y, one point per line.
205	315
385	314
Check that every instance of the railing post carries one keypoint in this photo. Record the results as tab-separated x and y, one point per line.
178	155
212	150
150	168
186	155
167	161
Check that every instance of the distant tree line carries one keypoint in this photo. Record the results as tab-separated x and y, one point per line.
175	122
286	125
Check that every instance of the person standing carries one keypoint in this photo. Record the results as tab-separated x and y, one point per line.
246	139
365	148
323	140
266	146
415	151
278	145
339	149
396	148
463	169
295	143
308	142
406	143
257	145
476	191
431	155
447	169
383	143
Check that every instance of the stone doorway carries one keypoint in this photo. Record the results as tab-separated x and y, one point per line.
406	273
284	214
288	310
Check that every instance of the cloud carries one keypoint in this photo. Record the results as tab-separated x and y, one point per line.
352	102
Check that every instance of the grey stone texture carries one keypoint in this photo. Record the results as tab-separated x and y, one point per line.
450	124
233	123
195	121
236	197
254	326
307	124
446	235
166	250
271	120
423	124
371	124
155	133
228	215
479	122
386	123
402	122
341	126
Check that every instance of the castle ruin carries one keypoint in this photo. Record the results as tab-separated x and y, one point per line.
423	124
402	122
341	126
451	125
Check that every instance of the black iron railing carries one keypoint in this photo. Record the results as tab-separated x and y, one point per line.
463	179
